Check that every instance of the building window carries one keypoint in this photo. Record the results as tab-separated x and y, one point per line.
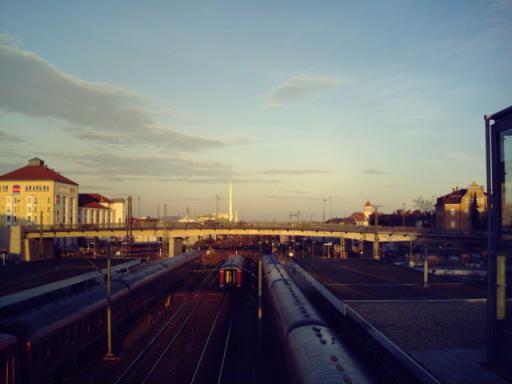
452	212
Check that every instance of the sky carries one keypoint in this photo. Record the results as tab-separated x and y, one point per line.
293	101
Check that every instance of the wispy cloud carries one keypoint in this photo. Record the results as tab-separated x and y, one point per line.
298	87
287	197
139	168
164	138
295	191
10	138
373	171
96	111
119	169
294	171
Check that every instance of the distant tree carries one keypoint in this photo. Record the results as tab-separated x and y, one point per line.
424	205
474	215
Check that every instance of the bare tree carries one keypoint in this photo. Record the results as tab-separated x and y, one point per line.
424	205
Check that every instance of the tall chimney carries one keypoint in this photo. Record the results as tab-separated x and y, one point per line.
230	201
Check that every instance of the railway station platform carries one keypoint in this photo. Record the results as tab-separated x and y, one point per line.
22	276
442	326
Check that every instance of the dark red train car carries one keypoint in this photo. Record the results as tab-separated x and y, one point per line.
230	274
9	359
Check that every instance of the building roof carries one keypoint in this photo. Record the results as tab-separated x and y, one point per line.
95	196
91	204
452	198
503	113
36	172
92	200
358	216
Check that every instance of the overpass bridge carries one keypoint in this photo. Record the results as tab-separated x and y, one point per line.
20	237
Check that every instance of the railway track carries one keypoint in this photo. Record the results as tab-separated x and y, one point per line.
157	360
226	346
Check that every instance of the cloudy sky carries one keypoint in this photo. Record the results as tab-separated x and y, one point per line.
293	101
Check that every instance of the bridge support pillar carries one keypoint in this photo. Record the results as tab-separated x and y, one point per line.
26	250
376	250
343	254
172	247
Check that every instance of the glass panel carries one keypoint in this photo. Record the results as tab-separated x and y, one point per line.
506	180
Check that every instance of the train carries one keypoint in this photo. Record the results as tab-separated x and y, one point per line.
9	354
231	272
310	349
39	342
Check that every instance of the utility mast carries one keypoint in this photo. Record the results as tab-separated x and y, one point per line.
230	201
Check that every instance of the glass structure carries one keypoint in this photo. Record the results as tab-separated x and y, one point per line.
499	187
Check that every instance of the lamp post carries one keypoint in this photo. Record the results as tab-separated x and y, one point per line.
403	215
109	355
376	247
41	245
323	212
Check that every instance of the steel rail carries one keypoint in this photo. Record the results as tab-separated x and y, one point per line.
207	342
165	326
223	362
174	338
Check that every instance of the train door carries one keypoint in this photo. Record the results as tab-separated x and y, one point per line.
229	277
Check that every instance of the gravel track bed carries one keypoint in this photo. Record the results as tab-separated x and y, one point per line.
416	326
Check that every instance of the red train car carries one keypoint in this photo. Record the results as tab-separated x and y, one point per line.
230	274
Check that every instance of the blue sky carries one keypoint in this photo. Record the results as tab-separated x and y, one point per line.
293	101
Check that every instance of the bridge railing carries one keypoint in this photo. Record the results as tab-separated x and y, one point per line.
278	226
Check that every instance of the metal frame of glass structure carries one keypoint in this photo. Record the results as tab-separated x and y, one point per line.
498	131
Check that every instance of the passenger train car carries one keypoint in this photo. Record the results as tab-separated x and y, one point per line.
56	333
9	357
231	272
310	349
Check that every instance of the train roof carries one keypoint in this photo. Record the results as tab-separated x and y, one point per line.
20	297
45	319
235	261
7	340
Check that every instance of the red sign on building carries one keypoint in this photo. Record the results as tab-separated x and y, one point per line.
16	188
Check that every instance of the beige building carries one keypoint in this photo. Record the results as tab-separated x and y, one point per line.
37	194
97	209
453	209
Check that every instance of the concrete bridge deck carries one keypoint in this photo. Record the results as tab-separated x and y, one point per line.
20	236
